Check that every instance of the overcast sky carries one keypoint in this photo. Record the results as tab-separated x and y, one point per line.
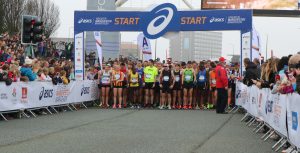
283	33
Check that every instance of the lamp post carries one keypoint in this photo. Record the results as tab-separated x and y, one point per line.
70	28
155	48
137	48
232	48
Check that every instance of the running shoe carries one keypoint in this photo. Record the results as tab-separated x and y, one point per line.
44	113
174	107
190	107
179	107
185	107
208	106
197	107
213	106
287	150
114	106
169	107
165	107
120	106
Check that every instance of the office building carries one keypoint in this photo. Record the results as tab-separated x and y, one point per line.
196	46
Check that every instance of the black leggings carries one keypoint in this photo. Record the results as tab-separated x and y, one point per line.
221	100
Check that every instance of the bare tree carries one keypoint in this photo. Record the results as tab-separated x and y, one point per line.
47	11
1	17
11	12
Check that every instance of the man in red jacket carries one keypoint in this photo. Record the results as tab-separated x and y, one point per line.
222	86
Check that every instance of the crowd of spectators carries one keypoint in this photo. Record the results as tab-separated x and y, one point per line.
26	63
281	75
49	62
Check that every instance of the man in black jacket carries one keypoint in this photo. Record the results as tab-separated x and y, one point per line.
251	72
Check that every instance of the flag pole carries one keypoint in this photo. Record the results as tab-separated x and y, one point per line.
267	47
155	49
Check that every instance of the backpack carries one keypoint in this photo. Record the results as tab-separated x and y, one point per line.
202	76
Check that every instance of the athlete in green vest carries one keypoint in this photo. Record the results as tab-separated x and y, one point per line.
188	80
150	73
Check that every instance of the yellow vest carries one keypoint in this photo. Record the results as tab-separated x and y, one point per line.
134	79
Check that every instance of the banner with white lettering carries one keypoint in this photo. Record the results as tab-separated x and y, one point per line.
279	114
293	115
246	49
23	95
255	44
261	105
276	112
98	39
79	56
144	46
241	94
274	109
253	101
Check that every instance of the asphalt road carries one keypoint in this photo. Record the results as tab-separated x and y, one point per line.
131	131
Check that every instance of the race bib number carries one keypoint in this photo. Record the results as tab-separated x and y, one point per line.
188	78
213	81
134	80
117	76
166	78
177	78
148	76
105	80
201	78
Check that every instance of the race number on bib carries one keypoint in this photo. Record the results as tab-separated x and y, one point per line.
148	76
201	78
105	80
177	78
213	81
134	80
188	78
117	76
166	78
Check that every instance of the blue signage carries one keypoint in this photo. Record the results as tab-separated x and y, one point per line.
295	121
162	19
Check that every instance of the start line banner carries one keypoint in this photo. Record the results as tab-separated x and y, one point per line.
161	19
280	111
21	95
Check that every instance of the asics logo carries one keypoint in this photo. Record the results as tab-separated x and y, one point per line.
216	20
85	21
158	20
152	29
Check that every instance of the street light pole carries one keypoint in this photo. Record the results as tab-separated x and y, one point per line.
267	47
155	49
137	48
232	49
70	28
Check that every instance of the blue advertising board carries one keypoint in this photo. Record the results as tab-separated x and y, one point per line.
162	19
